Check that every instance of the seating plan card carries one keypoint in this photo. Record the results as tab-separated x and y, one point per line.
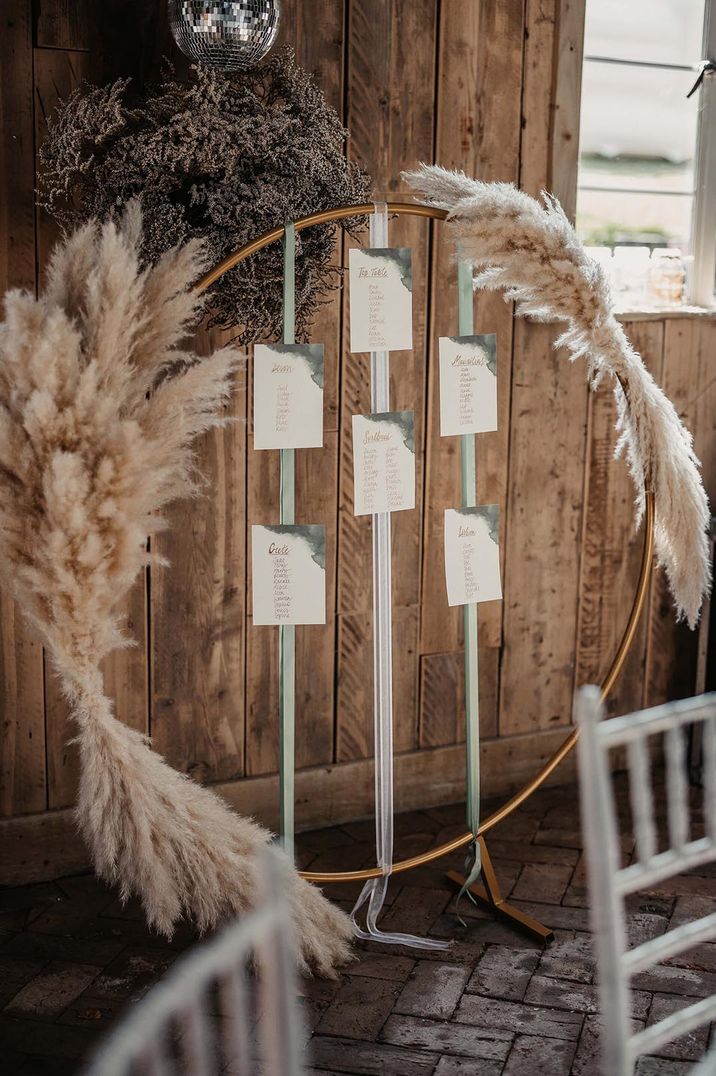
288	396
468	384
472	554
289	574
381	299
383	462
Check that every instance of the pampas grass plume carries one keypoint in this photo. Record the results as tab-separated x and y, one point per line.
531	252
100	406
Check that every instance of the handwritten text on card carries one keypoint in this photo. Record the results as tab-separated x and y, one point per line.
288	396
468	384
289	574
383	462
381	299
472	554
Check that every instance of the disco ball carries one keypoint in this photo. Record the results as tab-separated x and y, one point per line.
229	34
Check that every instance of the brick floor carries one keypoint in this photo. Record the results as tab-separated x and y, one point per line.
72	958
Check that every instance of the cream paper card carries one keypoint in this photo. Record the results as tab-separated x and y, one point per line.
472	554
381	298
289	574
383	462
288	396
468	384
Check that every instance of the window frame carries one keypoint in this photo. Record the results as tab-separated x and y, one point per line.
702	282
703	218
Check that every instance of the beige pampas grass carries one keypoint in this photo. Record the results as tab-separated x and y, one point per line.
532	253
99	409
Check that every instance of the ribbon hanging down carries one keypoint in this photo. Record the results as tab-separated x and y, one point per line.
374	891
287	632
468	490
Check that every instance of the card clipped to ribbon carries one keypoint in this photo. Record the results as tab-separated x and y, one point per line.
383	462
288	396
472	554
381	299
396	489
289	574
468	384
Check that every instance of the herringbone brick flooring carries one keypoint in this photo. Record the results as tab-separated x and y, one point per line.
71	958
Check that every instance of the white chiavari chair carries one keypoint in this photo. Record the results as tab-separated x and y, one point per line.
610	884
229	1005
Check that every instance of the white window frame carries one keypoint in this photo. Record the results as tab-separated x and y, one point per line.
702	285
703	220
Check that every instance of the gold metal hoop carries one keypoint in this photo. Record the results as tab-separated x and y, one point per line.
326	877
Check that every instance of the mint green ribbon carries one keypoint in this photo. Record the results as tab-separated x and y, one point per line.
287	632
468	490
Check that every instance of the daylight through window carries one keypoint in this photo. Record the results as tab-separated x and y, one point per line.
646	175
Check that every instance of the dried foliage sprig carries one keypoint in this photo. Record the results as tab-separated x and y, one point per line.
532	253
100	405
223	158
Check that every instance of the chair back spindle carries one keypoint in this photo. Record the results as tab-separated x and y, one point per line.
642	798
709	778
610	883
677	787
207	1017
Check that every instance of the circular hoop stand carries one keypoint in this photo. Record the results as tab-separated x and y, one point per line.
488	894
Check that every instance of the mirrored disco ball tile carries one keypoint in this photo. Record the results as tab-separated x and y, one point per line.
229	34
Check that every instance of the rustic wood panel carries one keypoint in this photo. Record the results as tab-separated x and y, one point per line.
316	476
354	734
476	84
611	547
442	696
491	87
57	73
316	493
198	611
22	719
546	462
390	64
688	379
564	141
131	39
543	533
22	745
42	846
538	95
62	24
390	85
323	55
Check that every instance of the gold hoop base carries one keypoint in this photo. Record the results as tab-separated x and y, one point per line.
489	895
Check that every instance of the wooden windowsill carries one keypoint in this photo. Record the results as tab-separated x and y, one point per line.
656	314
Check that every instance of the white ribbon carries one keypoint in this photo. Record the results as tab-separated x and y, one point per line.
373	892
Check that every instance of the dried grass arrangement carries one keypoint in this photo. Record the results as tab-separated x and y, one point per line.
531	253
222	158
100	405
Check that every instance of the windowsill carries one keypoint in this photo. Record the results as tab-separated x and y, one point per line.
660	314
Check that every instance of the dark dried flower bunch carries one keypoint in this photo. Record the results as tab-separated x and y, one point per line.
223	158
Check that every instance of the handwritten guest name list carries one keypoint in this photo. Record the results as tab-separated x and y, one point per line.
289	574
472	554
383	462
288	396
468	384
381	299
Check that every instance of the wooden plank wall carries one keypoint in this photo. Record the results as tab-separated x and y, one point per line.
491	87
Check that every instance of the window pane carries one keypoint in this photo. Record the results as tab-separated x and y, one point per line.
613	219
636	174
638	112
663	31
